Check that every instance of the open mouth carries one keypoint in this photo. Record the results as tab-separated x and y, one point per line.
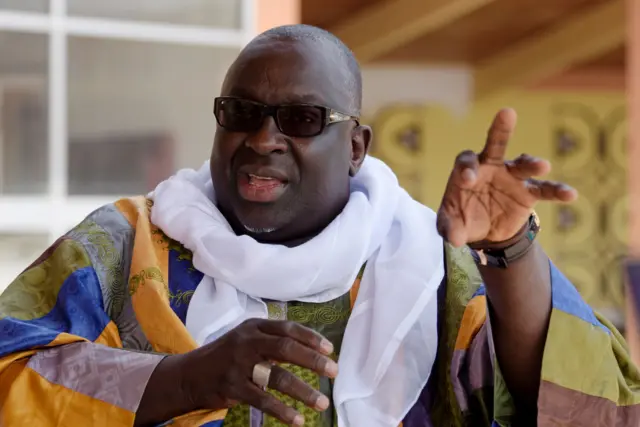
262	187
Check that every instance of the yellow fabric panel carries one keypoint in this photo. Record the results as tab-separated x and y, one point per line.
148	282
473	318
130	208
110	336
603	371
198	418
353	293
35	402
30	400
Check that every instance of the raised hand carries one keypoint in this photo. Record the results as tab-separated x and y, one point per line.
488	199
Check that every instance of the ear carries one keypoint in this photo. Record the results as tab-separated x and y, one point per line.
360	141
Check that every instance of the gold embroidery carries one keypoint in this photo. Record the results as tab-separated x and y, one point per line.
181	297
169	244
152	273
317	314
277	310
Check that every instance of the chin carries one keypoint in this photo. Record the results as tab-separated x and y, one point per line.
259	230
257	218
256	225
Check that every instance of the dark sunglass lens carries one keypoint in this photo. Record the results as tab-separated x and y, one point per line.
301	120
239	115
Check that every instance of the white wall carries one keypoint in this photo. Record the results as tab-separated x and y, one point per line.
450	87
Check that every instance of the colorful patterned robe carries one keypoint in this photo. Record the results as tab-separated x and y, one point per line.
82	329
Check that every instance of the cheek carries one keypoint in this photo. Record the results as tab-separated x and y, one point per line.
224	147
332	148
324	166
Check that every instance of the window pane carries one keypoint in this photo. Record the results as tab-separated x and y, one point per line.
210	13
23	116
139	110
17	252
25	5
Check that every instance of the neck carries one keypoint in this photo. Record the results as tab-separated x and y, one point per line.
291	242
294	234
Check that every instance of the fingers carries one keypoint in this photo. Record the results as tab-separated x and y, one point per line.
550	190
289	384
298	332
236	354
287	349
526	166
465	169
499	133
270	405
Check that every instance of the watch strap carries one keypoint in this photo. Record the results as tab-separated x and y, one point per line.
515	249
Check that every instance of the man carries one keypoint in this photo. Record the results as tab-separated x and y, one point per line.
226	297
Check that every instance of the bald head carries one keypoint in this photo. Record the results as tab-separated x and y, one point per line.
317	38
272	182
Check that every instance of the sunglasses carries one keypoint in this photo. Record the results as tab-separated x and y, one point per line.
295	120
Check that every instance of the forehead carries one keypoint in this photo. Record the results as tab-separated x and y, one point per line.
288	71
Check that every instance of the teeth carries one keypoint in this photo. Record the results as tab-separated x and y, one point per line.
260	177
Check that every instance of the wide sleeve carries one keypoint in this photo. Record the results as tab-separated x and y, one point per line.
587	376
61	356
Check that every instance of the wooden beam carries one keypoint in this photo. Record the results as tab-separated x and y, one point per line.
389	24
573	41
584	79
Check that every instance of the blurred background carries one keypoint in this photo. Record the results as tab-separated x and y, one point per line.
103	99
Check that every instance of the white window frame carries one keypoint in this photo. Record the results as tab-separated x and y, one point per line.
55	212
34	84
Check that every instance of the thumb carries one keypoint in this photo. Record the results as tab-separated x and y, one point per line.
465	170
451	227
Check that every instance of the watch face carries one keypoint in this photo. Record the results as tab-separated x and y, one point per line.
536	220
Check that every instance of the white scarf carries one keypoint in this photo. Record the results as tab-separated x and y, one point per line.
390	341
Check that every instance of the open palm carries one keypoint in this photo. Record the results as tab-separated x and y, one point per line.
488	199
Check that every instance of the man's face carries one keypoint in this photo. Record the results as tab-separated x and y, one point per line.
272	186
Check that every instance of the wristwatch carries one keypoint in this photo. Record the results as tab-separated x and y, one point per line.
501	254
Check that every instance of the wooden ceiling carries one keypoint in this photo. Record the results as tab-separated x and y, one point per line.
614	59
521	41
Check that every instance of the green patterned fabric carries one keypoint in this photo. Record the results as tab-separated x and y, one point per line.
330	320
463	280
238	416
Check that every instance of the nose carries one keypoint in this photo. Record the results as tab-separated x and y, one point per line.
268	139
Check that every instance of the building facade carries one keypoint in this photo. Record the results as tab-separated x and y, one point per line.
102	99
